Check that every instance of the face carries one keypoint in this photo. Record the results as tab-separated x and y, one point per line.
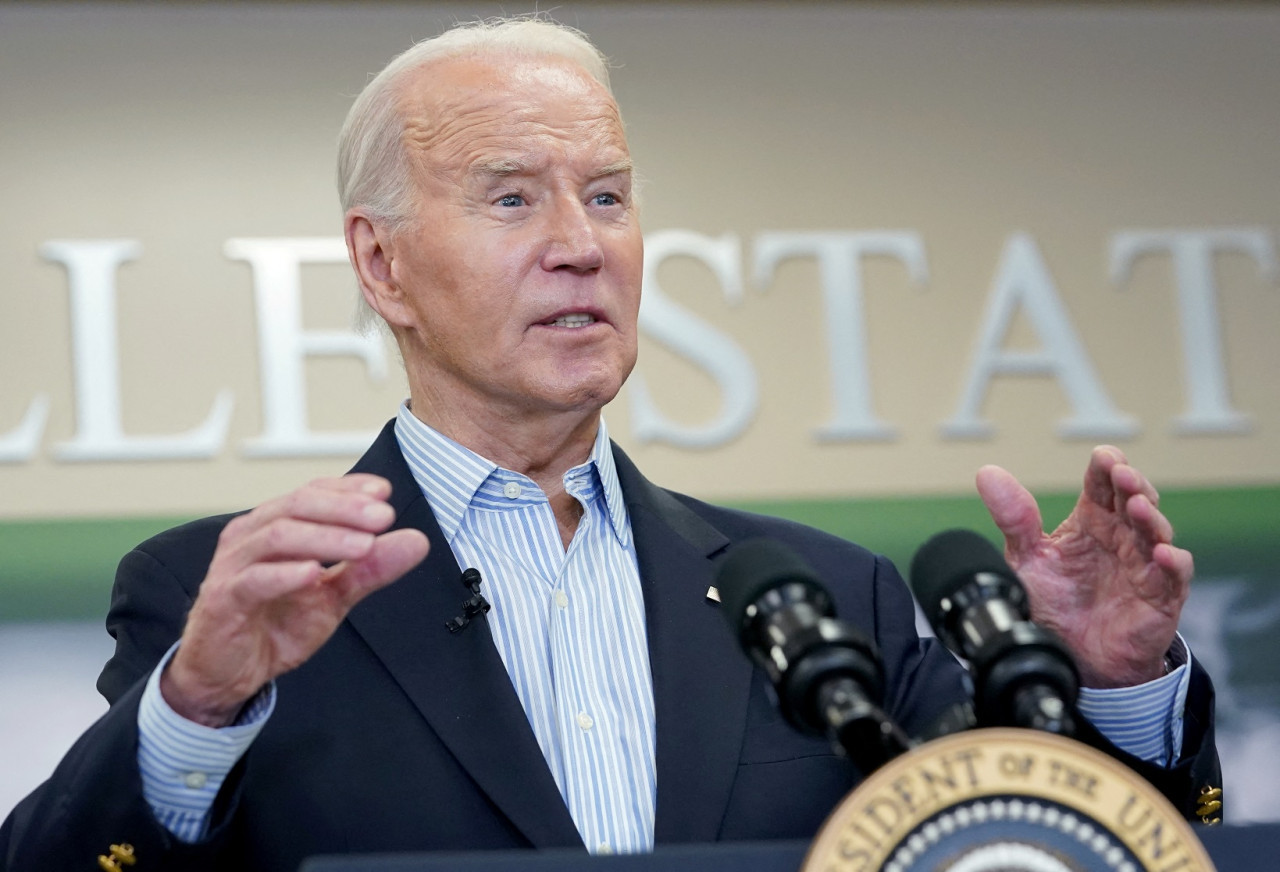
520	278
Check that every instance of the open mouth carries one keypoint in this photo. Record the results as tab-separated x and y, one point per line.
575	320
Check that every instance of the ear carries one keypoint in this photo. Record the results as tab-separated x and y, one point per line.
371	248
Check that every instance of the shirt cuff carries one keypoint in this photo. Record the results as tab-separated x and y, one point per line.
1147	720
183	764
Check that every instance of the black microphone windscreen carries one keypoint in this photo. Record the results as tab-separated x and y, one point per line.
947	561
755	566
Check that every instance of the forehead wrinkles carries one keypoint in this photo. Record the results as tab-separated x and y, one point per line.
471	142
505	113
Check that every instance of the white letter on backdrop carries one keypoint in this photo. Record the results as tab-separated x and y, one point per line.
1023	282
1204	367
91	272
283	346
839	256
697	341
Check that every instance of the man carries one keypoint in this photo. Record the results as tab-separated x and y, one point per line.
316	700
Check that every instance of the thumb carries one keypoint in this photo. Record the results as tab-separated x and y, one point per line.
1013	509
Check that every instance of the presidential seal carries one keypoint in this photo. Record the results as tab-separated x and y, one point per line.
1005	801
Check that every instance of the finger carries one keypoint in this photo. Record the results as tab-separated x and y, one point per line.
357	483
288	539
359	505
242	592
354	481
1148	521
1099	488
1127	481
374	485
393	554
1177	563
1013	509
262	583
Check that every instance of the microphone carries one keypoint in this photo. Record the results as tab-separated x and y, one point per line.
1024	675
475	606
827	676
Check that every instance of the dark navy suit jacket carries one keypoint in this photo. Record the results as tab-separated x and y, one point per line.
401	736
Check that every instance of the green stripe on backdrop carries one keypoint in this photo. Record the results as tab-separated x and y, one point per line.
1230	530
62	570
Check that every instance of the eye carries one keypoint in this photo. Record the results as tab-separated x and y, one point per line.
606	199
511	201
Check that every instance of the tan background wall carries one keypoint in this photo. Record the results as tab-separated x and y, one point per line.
184	126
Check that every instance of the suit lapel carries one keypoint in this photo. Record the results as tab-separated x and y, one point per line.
457	681
701	680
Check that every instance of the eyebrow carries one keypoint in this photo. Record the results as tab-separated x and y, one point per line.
514	166
613	169
500	167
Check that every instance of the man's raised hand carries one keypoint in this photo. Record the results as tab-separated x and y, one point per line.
281	580
1108	579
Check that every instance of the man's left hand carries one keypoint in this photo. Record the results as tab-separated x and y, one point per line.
1108	579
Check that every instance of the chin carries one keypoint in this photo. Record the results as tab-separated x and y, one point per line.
586	395
595	382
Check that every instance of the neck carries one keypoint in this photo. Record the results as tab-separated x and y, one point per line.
543	447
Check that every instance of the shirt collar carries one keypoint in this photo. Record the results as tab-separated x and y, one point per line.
450	474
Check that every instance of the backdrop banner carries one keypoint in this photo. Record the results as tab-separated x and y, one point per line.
885	244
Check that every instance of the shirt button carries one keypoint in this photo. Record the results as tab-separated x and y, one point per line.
562	599
584	721
511	490
195	780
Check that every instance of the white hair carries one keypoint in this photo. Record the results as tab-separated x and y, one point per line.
373	169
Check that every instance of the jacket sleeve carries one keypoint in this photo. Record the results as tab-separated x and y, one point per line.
1197	770
925	680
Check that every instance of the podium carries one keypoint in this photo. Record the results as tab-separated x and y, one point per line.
978	800
725	857
1231	848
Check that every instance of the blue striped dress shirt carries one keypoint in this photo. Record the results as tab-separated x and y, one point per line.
568	624
570	629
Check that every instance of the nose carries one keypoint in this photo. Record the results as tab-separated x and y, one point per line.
573	240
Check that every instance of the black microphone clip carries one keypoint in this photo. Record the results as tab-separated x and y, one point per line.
474	607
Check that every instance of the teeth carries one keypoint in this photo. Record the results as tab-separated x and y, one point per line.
573	321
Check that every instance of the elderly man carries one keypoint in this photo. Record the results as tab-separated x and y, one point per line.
285	682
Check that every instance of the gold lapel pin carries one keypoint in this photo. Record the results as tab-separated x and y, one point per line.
121	856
